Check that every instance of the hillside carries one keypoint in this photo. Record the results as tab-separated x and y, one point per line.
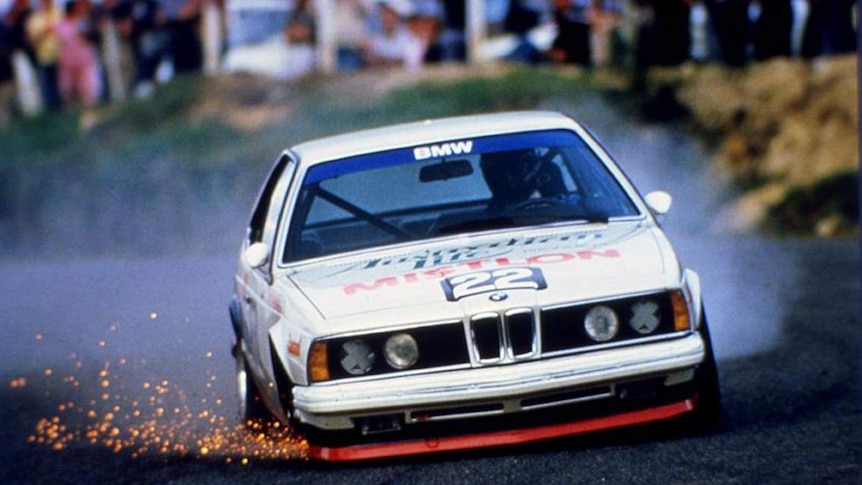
785	132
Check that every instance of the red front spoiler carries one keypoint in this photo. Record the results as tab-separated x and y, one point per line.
487	440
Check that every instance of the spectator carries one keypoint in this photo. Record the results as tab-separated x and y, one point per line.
829	29
451	44
5	56
520	19
186	49
15	25
394	45
91	27
13	37
350	34
42	35
573	42
299	56
425	24
300	28
79	78
730	22
144	23
773	30
664	36
672	31
606	41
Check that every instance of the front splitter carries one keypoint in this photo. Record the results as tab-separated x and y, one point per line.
500	438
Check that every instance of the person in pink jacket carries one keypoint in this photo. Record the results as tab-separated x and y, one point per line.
78	77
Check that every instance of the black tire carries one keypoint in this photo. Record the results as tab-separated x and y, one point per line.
707	416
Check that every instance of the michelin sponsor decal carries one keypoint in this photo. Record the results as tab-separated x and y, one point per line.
436	264
482	260
534	280
428	259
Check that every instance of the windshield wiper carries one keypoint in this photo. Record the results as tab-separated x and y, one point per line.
490	224
483	224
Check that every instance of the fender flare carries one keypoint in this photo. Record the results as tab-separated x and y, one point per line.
692	282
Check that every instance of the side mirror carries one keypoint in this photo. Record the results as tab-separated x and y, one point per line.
256	255
659	202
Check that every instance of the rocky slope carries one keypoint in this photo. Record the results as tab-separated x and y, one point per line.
786	131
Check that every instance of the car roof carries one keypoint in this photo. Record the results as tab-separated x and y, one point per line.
428	131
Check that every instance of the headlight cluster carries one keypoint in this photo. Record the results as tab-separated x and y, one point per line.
638	317
417	348
358	357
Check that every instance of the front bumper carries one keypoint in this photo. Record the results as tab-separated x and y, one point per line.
498	438
479	392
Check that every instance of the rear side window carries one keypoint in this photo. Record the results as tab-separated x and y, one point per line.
259	218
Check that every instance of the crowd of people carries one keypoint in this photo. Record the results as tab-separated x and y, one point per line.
64	40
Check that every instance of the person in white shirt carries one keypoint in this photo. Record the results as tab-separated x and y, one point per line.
395	44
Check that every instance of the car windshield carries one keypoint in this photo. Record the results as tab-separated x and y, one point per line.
458	187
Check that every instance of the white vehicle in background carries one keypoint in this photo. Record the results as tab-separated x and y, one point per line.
464	282
257	43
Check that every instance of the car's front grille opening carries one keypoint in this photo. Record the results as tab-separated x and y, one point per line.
456	412
379	424
487	337
521	332
499	338
570	397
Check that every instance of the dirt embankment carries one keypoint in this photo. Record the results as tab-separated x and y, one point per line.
786	131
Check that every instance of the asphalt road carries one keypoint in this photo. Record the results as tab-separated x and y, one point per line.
117	369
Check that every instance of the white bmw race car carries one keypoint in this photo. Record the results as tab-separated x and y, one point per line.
460	283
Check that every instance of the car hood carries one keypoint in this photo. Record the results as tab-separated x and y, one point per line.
565	264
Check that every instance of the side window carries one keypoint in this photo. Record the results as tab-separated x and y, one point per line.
258	226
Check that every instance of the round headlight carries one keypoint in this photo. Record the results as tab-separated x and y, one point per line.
401	351
601	323
357	358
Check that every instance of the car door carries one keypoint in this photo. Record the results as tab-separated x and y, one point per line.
259	305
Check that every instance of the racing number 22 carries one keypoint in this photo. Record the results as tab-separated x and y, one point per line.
463	285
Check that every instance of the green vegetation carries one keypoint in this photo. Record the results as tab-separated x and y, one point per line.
519	89
169	124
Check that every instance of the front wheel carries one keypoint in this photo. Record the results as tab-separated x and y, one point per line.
251	407
707	415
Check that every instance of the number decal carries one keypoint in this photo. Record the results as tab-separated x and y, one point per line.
469	284
460	286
